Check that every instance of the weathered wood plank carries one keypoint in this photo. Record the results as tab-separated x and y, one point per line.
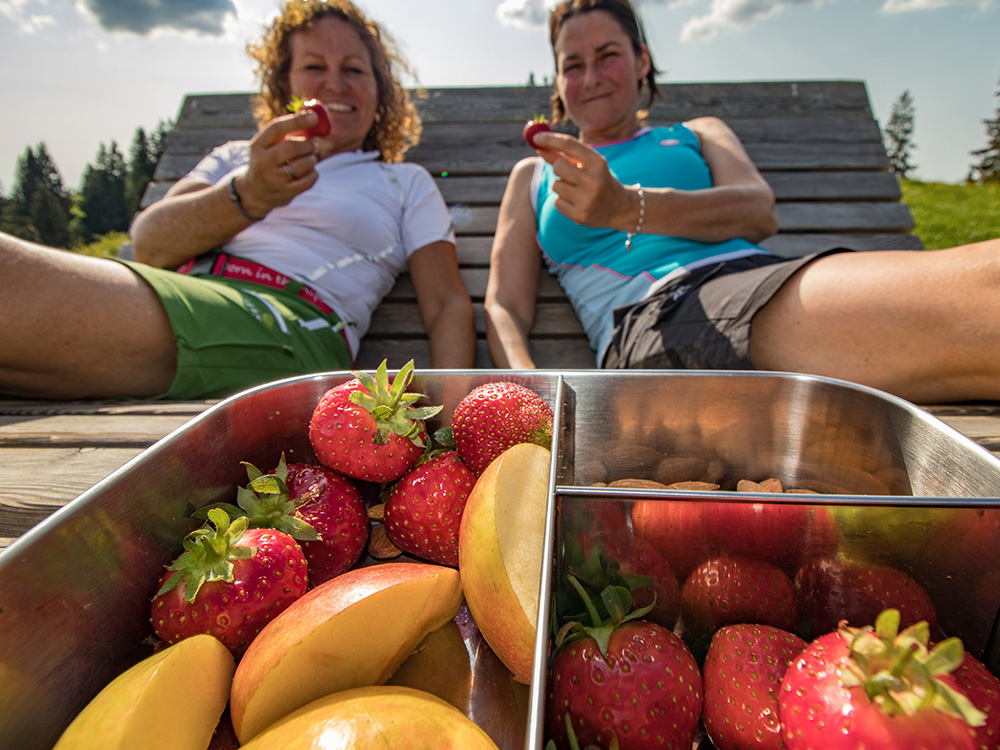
61	430
37	481
787	186
844	216
400	319
681	100
552	353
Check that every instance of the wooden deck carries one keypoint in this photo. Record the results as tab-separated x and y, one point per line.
50	453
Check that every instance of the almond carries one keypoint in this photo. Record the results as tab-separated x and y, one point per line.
380	546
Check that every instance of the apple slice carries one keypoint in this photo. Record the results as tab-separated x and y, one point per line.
375	717
352	631
171	700
500	552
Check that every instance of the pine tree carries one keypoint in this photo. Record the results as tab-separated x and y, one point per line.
898	136
987	168
50	219
39	206
101	206
140	170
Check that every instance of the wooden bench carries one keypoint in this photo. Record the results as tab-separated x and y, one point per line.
816	142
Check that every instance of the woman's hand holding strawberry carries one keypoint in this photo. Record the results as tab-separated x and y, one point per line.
268	183
587	192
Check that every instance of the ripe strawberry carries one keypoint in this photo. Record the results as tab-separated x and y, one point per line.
877	688
229	582
677	529
423	512
332	505
835	589
495	416
611	557
732	590
533	127
982	688
365	430
322	510
741	677
783	534
623	683
322	126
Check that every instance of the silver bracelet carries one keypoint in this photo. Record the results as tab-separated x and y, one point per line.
235	198
642	216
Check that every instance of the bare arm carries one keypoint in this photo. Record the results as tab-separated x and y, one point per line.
445	307
195	217
515	262
740	203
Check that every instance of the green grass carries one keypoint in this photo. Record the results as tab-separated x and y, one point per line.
950	215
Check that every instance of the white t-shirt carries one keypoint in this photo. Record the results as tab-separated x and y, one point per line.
349	236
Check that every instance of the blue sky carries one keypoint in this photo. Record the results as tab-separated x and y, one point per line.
78	73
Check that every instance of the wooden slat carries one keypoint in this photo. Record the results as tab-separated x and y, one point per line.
393	320
37	481
788	186
552	353
793	245
844	217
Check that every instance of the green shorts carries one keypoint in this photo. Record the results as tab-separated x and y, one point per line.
232	335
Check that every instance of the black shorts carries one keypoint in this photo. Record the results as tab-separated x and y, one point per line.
701	321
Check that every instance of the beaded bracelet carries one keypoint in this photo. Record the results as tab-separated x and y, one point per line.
642	216
235	198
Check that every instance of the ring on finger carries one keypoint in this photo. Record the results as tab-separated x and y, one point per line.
291	172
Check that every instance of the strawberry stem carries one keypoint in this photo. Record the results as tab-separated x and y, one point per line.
899	674
391	406
208	554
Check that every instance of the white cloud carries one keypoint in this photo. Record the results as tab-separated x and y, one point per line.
738	14
24	21
526	14
908	6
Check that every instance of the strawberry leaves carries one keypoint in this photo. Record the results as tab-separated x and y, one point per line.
900	675
390	406
265	504
208	555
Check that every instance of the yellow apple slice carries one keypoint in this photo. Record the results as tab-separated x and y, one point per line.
351	631
171	700
500	552
375	718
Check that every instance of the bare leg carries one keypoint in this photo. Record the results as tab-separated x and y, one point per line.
924	325
72	326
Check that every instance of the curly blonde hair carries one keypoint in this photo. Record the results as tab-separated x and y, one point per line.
397	124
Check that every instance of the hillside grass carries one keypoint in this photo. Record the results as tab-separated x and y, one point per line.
950	215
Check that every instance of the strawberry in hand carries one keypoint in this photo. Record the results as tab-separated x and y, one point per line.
533	127
423	512
366	430
322	126
229	582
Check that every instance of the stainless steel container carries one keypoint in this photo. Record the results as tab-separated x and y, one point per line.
75	590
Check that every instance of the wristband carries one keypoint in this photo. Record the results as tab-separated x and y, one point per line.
235	198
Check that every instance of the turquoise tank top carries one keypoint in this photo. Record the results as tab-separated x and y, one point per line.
592	265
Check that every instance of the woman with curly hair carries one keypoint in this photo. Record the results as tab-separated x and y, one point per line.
269	257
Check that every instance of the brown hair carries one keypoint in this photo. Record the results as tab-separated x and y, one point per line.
397	124
628	20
